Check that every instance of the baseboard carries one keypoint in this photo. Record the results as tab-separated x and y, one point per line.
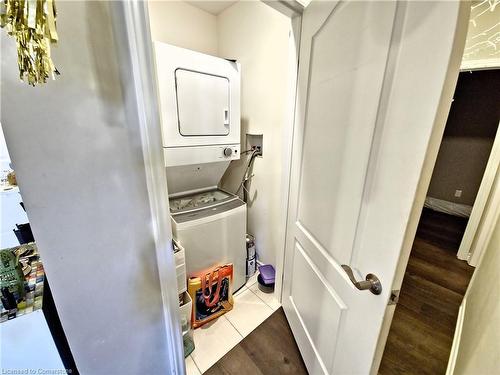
440	205
456	339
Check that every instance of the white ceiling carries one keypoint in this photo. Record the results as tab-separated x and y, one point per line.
213	7
483	37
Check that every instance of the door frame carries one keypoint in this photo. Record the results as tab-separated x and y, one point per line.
132	29
493	215
133	24
425	176
136	31
293	10
473	241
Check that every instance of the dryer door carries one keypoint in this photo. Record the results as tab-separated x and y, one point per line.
199	102
202	103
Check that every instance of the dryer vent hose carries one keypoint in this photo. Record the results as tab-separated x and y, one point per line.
247	176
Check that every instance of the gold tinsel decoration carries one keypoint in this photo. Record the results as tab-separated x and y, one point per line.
33	24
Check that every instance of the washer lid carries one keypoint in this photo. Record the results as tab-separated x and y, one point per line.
199	201
205	212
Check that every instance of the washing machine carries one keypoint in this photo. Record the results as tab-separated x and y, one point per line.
199	99
211	227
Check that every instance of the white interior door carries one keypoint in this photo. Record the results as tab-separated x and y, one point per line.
370	93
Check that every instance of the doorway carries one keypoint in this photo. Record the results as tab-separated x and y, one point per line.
435	279
406	137
261	40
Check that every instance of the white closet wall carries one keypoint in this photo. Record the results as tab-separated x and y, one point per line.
475	348
75	144
257	36
183	25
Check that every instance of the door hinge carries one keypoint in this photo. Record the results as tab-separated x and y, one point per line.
394	298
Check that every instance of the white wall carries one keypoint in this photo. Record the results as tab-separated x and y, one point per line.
478	346
80	169
183	25
257	36
4	153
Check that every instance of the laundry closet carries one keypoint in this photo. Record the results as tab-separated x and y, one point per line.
226	81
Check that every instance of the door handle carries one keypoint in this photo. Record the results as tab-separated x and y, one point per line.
372	283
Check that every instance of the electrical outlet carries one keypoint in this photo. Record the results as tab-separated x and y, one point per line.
255	142
458	193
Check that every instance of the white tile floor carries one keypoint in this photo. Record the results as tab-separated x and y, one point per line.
213	340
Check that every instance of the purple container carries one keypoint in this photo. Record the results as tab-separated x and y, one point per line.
266	278
267	274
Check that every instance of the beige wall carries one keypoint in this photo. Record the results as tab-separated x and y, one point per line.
257	36
183	25
460	165
471	128
479	348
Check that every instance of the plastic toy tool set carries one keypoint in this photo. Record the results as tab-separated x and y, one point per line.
211	293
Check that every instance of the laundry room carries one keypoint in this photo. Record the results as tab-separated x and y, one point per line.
233	187
226	75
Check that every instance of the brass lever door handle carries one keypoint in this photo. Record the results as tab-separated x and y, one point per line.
372	283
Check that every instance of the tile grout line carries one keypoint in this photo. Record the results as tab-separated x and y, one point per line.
240	339
264	302
239	292
239	333
195	364
261	299
252	284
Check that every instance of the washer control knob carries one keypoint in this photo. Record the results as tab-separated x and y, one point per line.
228	151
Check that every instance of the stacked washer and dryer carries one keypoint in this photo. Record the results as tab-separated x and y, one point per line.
200	114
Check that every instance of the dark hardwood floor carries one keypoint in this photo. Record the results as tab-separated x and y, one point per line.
435	282
422	330
269	350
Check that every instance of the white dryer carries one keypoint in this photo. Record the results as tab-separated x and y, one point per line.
199	97
211	226
200	115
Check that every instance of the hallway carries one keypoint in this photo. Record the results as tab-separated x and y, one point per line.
435	282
